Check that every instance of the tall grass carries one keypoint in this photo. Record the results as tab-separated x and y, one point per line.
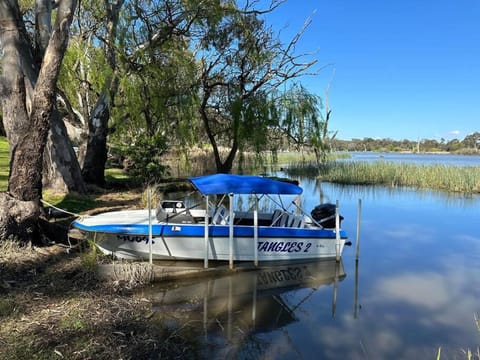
464	179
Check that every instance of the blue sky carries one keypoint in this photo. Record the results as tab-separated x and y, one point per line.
398	69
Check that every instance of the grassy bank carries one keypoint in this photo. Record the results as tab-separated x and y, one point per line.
76	203
465	179
52	306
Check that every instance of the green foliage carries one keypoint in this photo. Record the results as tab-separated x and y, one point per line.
303	122
242	63
157	77
84	72
469	145
144	158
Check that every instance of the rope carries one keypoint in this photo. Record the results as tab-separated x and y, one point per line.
57	208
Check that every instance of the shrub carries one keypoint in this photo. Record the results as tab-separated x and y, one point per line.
144	163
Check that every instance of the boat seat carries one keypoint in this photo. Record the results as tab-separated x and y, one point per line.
277	214
220	216
297	221
283	219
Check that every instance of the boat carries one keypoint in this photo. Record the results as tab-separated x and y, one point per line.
216	231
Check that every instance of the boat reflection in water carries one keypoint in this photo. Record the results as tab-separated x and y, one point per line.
229	310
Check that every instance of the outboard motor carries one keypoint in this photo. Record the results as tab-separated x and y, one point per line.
324	214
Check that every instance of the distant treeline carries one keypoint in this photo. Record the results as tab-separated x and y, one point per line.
469	145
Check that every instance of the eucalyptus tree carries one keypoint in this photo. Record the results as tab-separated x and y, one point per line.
100	116
61	169
472	141
90	81
29	73
242	61
126	72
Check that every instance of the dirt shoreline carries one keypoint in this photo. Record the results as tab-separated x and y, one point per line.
53	305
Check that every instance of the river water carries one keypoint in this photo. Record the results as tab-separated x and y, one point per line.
415	287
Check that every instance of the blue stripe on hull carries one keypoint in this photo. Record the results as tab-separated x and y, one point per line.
197	230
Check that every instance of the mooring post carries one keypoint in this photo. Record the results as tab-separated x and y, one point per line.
205	254
355	292
230	230
359	216
337	232
255	233
150	236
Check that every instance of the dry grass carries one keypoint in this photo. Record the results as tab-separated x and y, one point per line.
52	306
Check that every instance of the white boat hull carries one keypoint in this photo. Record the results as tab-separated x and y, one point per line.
174	248
126	235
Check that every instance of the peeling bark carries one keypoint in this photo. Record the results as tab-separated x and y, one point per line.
18	219
27	122
93	170
61	171
94	156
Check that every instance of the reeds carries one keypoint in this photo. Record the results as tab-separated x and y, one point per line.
469	354
465	179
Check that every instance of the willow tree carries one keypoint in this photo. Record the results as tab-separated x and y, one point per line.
242	61
28	103
158	86
304	119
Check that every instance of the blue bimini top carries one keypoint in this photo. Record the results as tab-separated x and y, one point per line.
242	184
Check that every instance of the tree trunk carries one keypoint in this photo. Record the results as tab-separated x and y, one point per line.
61	170
18	219
223	167
93	170
28	122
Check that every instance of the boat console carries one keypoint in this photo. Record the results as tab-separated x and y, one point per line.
174	210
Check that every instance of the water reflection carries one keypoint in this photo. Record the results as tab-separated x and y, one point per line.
234	310
415	288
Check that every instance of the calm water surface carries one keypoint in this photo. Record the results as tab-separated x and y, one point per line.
416	287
